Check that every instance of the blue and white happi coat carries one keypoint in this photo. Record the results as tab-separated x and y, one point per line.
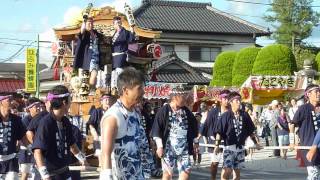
131	155
176	148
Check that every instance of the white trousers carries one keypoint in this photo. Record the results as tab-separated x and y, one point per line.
114	77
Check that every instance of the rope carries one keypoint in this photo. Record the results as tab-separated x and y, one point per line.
266	147
83	168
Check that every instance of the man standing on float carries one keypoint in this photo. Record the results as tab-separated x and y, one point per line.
120	41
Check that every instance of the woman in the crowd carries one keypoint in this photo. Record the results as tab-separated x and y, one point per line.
249	143
283	130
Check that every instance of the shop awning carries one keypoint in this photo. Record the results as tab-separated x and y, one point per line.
11	85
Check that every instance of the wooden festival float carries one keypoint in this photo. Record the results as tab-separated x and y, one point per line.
141	55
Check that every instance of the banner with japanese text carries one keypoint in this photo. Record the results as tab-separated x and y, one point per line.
275	82
31	70
205	93
159	90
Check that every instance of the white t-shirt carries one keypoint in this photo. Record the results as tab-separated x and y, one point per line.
292	111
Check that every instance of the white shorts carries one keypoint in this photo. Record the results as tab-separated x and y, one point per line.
10	176
26	168
249	143
216	157
97	152
313	173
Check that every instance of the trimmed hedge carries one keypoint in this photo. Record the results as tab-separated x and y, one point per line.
317	62
243	64
222	69
274	59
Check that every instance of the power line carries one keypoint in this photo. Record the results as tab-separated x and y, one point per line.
237	14
249	2
16	44
266	4
18	53
15	39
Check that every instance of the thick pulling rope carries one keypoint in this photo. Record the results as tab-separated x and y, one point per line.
265	147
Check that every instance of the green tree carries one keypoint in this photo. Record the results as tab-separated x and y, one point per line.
301	54
274	59
222	69
243	63
293	20
317	62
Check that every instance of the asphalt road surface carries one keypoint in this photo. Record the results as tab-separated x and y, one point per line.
262	167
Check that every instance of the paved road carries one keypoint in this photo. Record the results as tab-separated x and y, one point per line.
261	168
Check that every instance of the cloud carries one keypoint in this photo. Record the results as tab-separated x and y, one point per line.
45	48
45	22
251	12
119	4
2	46
72	15
314	38
26	27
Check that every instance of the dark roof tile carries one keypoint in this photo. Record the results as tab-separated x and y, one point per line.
187	74
191	16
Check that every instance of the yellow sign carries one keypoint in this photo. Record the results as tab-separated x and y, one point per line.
31	70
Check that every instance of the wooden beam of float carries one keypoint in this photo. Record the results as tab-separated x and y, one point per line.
103	22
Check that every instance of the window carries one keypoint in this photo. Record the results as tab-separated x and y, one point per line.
204	54
167	48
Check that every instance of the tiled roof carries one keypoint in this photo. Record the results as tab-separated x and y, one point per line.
184	74
191	17
207	70
46	74
11	85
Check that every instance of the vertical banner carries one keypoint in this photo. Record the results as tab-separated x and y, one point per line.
31	70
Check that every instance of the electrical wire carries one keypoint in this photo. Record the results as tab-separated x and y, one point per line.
267	4
18	53
15	39
17	44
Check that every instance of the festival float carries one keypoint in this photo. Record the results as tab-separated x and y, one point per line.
141	54
257	90
261	90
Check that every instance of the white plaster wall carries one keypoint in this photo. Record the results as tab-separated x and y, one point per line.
236	47
182	51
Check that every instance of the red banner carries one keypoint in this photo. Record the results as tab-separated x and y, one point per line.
209	93
157	90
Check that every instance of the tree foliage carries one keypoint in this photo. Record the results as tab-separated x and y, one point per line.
292	18
222	69
301	54
317	62
243	64
274	59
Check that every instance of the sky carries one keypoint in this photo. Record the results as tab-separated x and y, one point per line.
23	20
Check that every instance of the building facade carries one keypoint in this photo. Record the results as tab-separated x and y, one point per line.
197	32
